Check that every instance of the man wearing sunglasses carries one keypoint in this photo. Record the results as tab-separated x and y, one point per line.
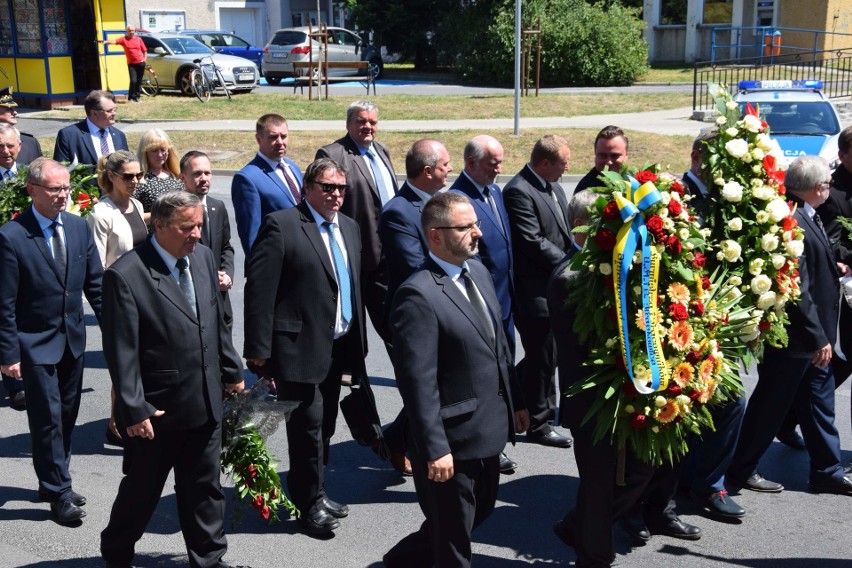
49	260
30	148
86	141
304	326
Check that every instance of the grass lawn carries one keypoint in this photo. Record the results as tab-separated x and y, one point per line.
392	107
232	150
667	75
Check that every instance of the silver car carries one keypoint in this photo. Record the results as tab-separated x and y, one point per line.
172	58
291	44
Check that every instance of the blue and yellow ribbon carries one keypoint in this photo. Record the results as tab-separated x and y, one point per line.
633	236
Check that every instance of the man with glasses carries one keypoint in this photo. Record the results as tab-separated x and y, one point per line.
49	260
86	141
305	327
30	148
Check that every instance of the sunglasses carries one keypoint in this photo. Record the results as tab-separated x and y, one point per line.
331	187
130	177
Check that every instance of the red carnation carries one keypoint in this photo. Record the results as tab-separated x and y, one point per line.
646	176
674	245
610	212
629	389
675	208
678	312
258	502
655	226
699	260
639	421
265	513
675	389
605	239
697	307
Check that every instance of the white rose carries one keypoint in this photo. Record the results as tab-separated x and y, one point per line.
778	261
660	401
735	224
731	105
758	154
766	300
737	147
732	132
668	224
605	268
763	192
735	281
731	250
749	332
774	229
778	210
684	401
747	158
757	168
764	142
761	283
794	248
755	267
721	120
761	217
752	123
732	191
756	182
769	242
719	181
683	234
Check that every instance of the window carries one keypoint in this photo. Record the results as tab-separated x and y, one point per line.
718	11
233	41
28	34
673	12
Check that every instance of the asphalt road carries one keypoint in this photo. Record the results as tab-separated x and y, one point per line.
793	529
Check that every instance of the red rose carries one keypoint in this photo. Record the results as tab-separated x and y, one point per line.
645	176
697	307
764	325
655	225
258	502
638	421
675	208
630	389
265	513
705	282
674	245
677	187
678	312
693	357
610	212
675	389
605	239
699	260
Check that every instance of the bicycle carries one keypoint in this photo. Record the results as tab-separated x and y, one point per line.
150	83
206	78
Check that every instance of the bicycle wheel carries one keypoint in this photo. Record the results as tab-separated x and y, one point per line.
150	84
200	85
222	84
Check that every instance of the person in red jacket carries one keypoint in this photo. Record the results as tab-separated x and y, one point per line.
136	53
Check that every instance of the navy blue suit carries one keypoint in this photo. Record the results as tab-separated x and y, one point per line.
787	378
495	247
75	143
42	327
257	191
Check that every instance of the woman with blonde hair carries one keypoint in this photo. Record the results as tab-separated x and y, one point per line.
160	164
117	224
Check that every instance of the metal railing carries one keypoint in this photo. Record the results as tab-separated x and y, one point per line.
767	44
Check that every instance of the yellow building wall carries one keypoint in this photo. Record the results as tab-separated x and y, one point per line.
114	75
31	75
825	15
8	64
61	75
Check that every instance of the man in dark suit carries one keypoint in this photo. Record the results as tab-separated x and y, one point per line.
536	205
456	377
427	165
372	183
48	260
30	148
168	373
86	141
196	173
800	375
268	183
305	327
611	146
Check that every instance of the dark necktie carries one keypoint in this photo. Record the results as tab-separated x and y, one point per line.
291	183
560	210
343	279
384	193
488	192
478	303
205	228
186	286
819	224
104	142
60	256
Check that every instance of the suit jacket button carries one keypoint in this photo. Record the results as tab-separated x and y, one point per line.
331	326
66	314
205	348
67	293
205	367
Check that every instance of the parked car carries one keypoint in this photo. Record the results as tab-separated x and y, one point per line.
799	116
229	44
291	44
172	55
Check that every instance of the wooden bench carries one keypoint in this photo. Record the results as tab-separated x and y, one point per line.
364	76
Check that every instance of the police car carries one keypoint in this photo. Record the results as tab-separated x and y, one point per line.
800	117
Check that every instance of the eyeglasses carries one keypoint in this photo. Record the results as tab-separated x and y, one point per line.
105	111
824	184
463	228
130	177
332	187
55	190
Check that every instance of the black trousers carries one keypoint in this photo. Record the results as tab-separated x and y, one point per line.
195	457
453	509
537	371
53	401
137	71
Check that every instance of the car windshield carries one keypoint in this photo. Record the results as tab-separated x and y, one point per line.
814	118
285	37
184	45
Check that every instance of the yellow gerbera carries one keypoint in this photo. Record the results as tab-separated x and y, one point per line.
681	335
667	412
682	374
679	293
705	370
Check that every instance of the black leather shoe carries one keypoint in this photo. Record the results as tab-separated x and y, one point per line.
64	512
675	528
836	485
319	522
634	526
719	503
507	465
112	439
791	440
756	482
72	496
18	400
550	438
337	510
564	532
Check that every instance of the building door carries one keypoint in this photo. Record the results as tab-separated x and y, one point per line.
85	58
242	22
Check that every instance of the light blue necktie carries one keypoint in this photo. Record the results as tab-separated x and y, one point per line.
343	280
384	192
